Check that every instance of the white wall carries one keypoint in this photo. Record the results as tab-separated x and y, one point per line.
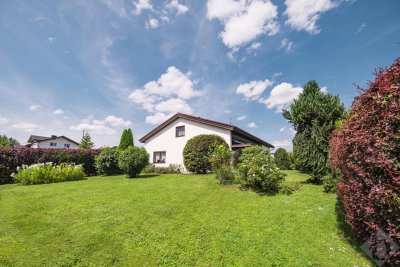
60	143
165	140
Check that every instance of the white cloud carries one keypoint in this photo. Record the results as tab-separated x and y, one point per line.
242	117
167	94
152	23
173	105
252	125
254	46
281	96
361	28
227	111
34	107
51	39
174	5
304	14
243	20
157	118
116	121
287	144
287	45
276	74
27	127
253	89
288	130
141	5
324	89
58	111
4	120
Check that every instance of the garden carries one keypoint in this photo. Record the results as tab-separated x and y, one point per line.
333	201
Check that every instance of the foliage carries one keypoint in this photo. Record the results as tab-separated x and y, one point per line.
11	158
366	150
172	168
289	189
313	116
198	151
8	141
221	164
282	159
126	139
86	141
331	180
257	170
169	220
44	173
107	162
133	160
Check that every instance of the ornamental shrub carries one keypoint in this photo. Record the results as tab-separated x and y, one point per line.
172	168
107	162
12	157
258	171
198	151
221	164
133	160
44	173
366	150
282	159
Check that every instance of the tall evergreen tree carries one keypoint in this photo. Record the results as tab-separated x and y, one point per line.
313	116
130	137
86	141
126	139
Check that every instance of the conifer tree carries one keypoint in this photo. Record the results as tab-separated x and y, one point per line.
86	142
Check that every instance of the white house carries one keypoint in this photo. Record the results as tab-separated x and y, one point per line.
54	141
166	142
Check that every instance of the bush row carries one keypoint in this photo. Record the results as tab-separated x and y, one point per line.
11	158
44	173
172	168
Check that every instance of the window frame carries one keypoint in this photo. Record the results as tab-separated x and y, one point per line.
67	145
177	130
53	144
160	162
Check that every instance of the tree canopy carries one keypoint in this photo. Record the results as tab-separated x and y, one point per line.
8	141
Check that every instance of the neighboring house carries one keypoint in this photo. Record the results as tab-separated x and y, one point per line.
51	142
166	142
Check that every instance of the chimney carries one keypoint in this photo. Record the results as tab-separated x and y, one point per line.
53	136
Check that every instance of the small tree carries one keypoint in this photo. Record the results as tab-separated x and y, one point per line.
86	141
221	164
282	159
8	141
126	139
133	160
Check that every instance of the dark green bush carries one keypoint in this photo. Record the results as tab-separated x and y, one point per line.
282	159
198	151
221	164
172	168
133	160
258	171
330	181
107	162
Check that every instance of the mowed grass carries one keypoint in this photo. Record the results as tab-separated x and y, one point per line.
175	220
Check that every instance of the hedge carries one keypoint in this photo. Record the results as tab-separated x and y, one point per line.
366	151
11	158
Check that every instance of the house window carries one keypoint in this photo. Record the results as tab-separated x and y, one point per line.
159	157
53	144
180	131
66	145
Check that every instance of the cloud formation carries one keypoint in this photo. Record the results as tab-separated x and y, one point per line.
58	111
281	96
254	89
107	126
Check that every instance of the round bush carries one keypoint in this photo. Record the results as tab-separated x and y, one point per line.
257	170
107	162
366	150
198	151
133	160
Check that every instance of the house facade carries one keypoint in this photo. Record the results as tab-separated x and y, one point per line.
166	142
54	141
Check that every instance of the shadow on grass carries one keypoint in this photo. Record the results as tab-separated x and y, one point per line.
345	231
147	175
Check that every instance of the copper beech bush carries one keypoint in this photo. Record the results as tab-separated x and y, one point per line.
366	151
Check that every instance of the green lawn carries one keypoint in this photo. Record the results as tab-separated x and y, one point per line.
169	220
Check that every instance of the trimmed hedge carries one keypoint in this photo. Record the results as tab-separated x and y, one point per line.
366	150
11	158
198	151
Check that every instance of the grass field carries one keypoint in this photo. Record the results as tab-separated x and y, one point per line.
170	220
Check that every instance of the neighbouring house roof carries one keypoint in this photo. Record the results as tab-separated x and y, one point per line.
37	138
230	127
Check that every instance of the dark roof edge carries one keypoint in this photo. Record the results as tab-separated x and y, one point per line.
50	138
250	136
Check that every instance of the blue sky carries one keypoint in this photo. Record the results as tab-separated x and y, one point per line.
66	66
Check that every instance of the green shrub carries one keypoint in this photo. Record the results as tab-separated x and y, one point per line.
221	164
330	181
289	189
45	173
198	151
257	170
172	168
133	160
107	162
282	159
